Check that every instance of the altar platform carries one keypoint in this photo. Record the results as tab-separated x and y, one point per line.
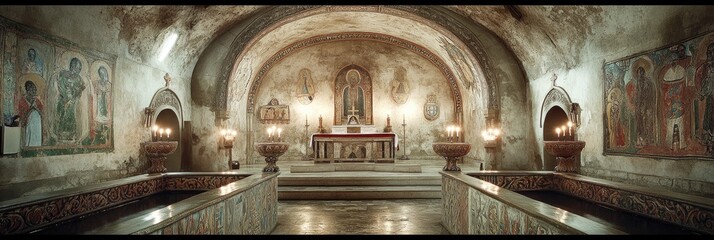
356	182
347	167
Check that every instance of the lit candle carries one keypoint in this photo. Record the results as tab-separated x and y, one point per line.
570	127
161	132
562	129
557	130
458	129
155	128
279	130
270	132
168	133
448	131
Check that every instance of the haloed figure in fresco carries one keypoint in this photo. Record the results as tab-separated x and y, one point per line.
70	88
705	108
30	110
103	88
645	108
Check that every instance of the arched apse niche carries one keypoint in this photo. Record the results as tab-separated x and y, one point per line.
558	111
439	18
226	71
431	57
167	113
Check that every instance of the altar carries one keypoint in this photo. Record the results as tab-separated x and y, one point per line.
354	147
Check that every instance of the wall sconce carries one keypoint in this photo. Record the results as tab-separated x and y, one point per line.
228	137
490	137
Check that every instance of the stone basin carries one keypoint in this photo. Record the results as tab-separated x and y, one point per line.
564	152
157	151
451	151
271	151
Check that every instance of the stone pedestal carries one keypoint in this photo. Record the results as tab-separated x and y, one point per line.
271	151
565	153
156	152
451	152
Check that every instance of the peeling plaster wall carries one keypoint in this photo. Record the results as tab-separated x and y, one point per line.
516	149
137	77
651	27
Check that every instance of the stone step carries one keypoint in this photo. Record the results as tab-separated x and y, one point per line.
357	192
293	180
337	167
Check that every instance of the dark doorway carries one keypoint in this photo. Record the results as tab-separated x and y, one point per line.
167	119
555	117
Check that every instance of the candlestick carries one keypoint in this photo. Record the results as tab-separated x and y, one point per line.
557	130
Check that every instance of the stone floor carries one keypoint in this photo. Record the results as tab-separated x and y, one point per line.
344	217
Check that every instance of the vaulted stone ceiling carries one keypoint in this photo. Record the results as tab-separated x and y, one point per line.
560	30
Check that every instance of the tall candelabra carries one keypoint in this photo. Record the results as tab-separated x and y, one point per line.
404	149
307	141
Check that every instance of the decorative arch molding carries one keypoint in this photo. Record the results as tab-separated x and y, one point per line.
419	50
557	96
164	98
270	16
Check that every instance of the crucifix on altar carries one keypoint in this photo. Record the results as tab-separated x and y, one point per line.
353	118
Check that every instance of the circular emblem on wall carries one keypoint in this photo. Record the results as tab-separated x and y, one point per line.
431	108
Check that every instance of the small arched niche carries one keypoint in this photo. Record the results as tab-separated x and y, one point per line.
559	110
165	111
555	117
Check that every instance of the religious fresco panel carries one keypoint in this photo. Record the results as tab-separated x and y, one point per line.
61	92
353	96
399	86
661	102
305	87
274	113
